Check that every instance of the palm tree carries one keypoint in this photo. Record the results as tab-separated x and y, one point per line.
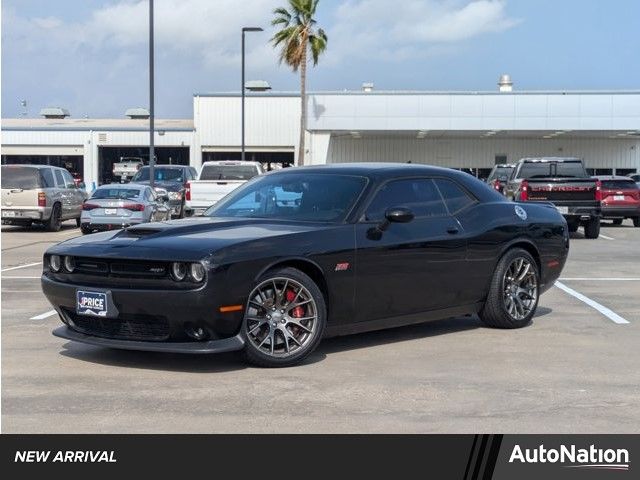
298	38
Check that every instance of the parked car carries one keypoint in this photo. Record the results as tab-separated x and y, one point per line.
274	278
563	182
499	176
40	194
620	199
174	179
217	179
124	170
117	206
636	178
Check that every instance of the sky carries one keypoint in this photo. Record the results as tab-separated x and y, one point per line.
91	56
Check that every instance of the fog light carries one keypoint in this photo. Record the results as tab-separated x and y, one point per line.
54	263
197	272
178	271
196	332
69	264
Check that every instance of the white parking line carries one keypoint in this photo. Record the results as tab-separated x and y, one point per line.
20	278
608	279
21	266
610	314
605	237
44	315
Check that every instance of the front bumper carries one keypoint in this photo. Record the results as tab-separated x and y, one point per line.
153	320
231	344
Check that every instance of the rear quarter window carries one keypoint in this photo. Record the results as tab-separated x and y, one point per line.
47	178
455	197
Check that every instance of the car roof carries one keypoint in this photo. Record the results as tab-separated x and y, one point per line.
372	169
123	186
549	159
505	165
166	166
16	165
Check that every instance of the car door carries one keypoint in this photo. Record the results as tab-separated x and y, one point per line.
411	267
75	195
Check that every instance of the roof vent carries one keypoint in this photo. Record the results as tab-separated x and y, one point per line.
505	84
367	87
54	112
137	113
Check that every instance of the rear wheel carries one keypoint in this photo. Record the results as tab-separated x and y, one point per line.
284	319
592	228
513	295
54	223
78	222
85	230
636	221
617	221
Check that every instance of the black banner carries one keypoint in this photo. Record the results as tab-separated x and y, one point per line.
462	457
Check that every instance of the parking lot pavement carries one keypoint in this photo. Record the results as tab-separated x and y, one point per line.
572	370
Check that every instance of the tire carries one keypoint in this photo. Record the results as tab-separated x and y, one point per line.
592	228
85	230
498	310
636	222
617	221
573	227
274	337
78	222
54	223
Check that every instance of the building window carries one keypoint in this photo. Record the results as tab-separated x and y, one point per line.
500	158
625	171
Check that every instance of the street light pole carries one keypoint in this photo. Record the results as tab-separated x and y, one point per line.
151	100
244	30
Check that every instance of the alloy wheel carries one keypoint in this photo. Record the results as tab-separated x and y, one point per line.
520	288
281	317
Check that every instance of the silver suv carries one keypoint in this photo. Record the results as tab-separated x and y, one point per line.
40	194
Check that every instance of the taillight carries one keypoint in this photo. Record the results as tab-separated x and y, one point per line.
42	199
497	185
136	207
524	191
598	191
187	191
89	206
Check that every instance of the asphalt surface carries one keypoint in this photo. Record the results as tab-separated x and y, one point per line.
573	370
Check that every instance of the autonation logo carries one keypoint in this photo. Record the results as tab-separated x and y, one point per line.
573	457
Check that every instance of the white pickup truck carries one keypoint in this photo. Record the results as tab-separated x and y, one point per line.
215	180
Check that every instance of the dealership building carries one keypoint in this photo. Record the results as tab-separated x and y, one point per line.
465	130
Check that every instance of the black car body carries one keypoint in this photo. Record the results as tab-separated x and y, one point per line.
172	178
563	182
373	245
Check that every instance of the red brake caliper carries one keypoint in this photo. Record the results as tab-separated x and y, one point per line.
297	312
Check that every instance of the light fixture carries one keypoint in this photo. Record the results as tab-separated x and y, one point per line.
356	134
55	263
197	272
178	271
69	264
421	134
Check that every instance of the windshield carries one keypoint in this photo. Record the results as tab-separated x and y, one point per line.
25	178
501	173
293	196
228	172
118	193
552	169
160	174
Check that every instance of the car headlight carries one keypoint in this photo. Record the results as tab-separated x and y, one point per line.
197	272
69	264
175	195
55	263
178	271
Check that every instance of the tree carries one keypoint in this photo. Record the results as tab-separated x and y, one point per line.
298	39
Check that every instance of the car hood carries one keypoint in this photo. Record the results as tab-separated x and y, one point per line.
185	239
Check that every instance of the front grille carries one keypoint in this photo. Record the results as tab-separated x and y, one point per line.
126	327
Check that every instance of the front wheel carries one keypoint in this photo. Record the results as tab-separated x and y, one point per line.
285	318
592	228
636	221
513	295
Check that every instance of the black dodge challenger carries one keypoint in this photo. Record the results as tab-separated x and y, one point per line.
305	253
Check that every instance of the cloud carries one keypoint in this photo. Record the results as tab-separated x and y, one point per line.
412	27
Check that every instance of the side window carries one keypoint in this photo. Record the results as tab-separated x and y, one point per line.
149	195
59	179
454	196
418	194
47	178
194	173
68	179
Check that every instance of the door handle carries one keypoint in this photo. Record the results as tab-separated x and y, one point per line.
453	230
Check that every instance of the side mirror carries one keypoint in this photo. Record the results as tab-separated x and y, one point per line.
392	215
399	215
82	185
